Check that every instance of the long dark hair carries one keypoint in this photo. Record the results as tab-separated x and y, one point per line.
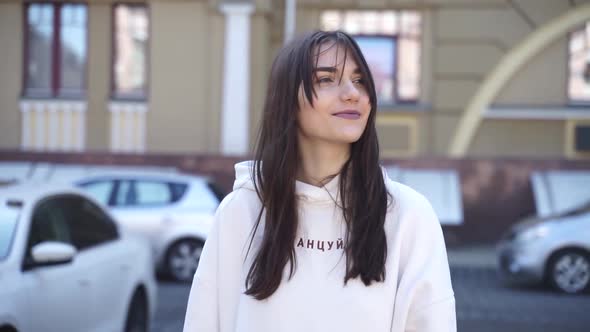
362	189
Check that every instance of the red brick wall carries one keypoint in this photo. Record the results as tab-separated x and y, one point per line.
496	192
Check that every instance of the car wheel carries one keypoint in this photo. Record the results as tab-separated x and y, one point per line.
137	315
569	271
183	258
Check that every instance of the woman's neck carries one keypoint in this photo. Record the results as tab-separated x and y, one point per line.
319	162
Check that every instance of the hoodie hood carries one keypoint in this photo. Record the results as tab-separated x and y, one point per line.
305	191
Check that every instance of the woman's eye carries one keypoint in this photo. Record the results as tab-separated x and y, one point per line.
359	81
325	80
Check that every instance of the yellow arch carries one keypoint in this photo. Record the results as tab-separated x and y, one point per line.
510	64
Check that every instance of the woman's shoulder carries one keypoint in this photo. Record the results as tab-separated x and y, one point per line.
239	200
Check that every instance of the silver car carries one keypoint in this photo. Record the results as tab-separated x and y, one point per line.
173	211
554	250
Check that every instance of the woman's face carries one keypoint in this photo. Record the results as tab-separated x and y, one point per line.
341	107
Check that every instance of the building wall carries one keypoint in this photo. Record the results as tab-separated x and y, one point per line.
99	76
182	77
463	41
10	73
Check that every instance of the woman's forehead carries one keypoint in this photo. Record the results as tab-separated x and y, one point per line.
332	54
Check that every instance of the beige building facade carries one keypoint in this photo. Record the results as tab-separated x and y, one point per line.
491	78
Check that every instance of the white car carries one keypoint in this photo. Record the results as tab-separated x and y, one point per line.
173	211
554	249
65	266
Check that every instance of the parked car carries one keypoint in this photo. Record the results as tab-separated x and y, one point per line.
66	266
173	211
554	250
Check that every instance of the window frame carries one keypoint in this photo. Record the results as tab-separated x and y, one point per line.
114	95
56	50
398	36
571	102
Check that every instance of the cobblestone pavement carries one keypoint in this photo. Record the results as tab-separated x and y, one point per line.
483	304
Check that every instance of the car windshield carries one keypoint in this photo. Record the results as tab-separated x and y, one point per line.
8	220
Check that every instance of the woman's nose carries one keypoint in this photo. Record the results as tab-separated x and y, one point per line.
350	92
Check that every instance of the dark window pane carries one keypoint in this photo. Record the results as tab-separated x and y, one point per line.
582	135
89	224
40	38
178	190
73	48
131	38
219	194
49	223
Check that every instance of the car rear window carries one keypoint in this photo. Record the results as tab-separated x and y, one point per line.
178	190
219	194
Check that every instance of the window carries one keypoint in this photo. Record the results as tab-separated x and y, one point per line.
55	50
99	190
150	193
130	47
146	193
579	66
390	41
89	225
49	224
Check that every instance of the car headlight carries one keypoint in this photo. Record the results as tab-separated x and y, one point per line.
532	234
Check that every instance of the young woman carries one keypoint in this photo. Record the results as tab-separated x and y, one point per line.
315	236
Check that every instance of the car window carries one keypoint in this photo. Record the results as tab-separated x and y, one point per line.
99	190
89	224
219	194
49	223
125	194
178	190
8	222
152	193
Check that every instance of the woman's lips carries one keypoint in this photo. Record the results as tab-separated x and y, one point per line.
350	115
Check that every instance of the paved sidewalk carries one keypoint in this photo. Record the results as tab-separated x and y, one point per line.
478	256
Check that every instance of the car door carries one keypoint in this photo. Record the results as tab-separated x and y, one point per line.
143	207
95	234
58	295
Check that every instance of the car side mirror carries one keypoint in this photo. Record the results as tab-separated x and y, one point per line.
52	253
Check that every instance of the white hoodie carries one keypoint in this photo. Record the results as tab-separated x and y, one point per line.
416	295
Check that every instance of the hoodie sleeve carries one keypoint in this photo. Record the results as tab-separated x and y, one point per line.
202	313
425	300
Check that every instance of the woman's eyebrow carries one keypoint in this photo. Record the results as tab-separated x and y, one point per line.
334	69
328	69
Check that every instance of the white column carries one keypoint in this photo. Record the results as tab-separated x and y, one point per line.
67	128
140	130
128	141
236	79
290	14
80	127
53	129
39	127
115	126
26	126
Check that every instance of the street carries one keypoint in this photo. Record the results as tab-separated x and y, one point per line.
483	304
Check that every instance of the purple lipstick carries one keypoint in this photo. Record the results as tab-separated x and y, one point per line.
349	114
